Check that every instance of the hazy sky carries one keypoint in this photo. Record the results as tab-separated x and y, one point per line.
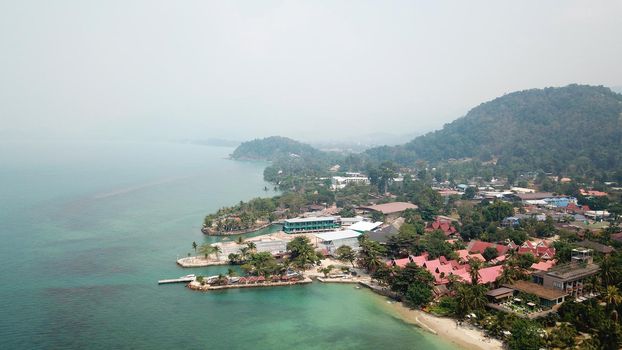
304	69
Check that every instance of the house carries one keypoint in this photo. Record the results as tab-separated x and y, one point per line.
571	277
445	226
539	250
391	211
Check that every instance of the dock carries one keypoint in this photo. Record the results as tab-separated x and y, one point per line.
177	280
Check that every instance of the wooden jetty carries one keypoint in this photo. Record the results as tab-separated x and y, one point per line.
183	279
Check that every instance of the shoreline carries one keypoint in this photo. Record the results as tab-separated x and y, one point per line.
465	337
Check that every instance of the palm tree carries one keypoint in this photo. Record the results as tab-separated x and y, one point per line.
508	275
244	253
217	250
612	297
251	246
231	272
607	271
194	246
240	240
206	249
476	265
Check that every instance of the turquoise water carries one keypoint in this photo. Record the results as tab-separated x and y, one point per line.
87	228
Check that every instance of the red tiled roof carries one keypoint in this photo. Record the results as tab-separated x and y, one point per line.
489	274
480	246
432	265
419	260
401	262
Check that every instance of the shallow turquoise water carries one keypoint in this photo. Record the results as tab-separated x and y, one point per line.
87	228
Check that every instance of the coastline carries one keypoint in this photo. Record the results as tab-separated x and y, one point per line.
466	337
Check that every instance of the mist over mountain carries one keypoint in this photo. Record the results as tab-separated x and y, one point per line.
572	129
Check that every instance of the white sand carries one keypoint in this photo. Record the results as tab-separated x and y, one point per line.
464	336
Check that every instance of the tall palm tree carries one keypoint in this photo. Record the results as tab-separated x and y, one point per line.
476	265
251	246
217	250
612	297
206	249
194	246
607	271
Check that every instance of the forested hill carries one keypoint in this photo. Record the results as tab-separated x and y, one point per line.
575	129
273	148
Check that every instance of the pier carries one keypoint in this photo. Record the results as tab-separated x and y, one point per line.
185	279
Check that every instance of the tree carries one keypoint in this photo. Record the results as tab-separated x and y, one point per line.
403	278
302	252
418	294
251	246
370	253
194	246
346	254
612	297
525	335
476	265
469	193
490	253
326	270
206	249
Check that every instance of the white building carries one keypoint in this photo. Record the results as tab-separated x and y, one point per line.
330	241
339	182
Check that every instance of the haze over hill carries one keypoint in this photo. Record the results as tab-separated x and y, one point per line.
575	129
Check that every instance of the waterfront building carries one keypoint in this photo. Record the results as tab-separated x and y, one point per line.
272	245
312	224
329	242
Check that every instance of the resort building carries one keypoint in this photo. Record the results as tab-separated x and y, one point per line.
328	242
571	277
313	224
548	297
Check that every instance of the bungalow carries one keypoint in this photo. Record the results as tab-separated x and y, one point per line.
539	250
446	227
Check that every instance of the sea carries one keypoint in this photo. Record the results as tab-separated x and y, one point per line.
87	228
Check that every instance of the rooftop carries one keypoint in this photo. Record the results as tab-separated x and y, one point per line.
499	291
571	270
365	226
537	290
311	219
390	208
336	235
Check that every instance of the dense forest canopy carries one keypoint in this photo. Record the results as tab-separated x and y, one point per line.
273	148
575	129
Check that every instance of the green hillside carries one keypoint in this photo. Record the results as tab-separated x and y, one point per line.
575	129
273	148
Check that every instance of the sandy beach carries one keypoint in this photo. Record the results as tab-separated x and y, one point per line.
465	337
